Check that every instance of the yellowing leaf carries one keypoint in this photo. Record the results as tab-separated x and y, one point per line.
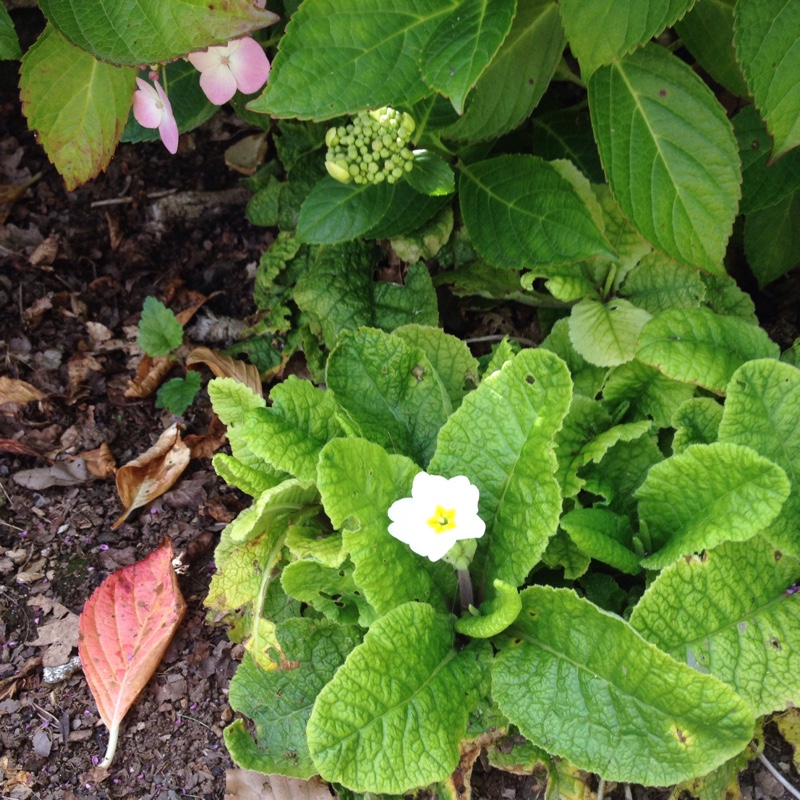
13	390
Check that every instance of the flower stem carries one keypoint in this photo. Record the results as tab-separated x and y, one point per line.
465	588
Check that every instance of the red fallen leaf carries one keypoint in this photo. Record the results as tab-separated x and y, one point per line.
124	629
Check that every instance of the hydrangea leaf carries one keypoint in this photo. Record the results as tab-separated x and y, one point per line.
768	49
134	32
772	238
723	296
415	301
292	431
427	240
431	175
706	495
358	481
567	133
280	701
537	215
80	124
463	44
159	330
696	422
587	378
761	412
336	58
502	439
393	715
517	77
605	334
728	613
407	212
669	153
603	535
658	283
494	615
602	31
232	400
388	391
9	42
250	480
695	345
605	708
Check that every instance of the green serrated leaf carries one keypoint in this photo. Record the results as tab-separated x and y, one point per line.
658	283
538	217
431	174
494	616
9	42
567	134
669	154
706	495
263	207
695	345
232	400
768	48
179	393
159	330
408	211
79	125
427	240
761	412
605	708
696	422
414	301
587	378
250	480
390	721
605	334
502	439
723	296
772	238
728	613
603	535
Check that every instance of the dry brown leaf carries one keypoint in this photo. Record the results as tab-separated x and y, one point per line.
58	638
149	376
78	369
19	449
100	461
153	472
33	315
45	254
246	784
226	367
13	390
248	154
206	444
197	300
63	473
98	332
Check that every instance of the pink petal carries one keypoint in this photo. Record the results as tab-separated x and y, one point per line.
145	105
168	129
208	59
249	65
218	84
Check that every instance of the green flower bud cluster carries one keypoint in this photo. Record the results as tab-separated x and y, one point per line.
372	148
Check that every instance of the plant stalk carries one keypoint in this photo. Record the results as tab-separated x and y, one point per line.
465	588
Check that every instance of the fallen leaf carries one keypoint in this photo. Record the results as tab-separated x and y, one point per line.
33	315
125	627
197	300
153	472
150	375
98	332
13	390
63	473
100	461
45	253
58	638
204	445
247	155
19	449
226	367
78	369
246	784
9	685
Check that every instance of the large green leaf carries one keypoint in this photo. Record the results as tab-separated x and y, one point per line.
394	713
134	32
762	411
518	76
729	613
502	439
77	105
603	30
407	212
9	43
586	377
583	684
338	58
521	212
772	238
768	49
567	133
695	345
696	422
605	334
669	154
658	283
232	400
706	495
412	302
604	536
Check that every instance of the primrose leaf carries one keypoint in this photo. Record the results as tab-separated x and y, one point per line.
537	215
768	49
603	535
336	58
696	422
232	400
728	613
251	480
583	701
695	345
772	238
179	393
706	495
431	175
605	334
80	124
394	713
669	153
495	614
658	283
279	701
761	412
312	540
502	439
159	330
462	45
563	553
388	391
602	31
9	42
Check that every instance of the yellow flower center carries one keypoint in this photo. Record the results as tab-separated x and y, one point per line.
442	520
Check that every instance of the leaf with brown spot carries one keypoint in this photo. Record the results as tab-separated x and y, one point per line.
13	390
125	627
153	472
149	376
226	367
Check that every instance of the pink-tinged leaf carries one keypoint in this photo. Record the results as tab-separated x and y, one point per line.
125	627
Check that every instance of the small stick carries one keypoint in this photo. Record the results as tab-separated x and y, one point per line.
778	777
498	337
628	792
601	787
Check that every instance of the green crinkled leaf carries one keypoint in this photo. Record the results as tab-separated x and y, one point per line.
602	31
603	535
337	58
563	553
264	206
605	708
768	50
179	393
537	216
523	759
415	301
494	615
502	439
695	345
696	422
772	238
9	42
706	495
388	391
723	296
728	613
658	283
605	334
311	540
394	713
463	44
292	431
431	174
669	154
250	480
567	133
587	378
280	267
79	124
762	412
159	330
358	481
134	32
232	400
280	701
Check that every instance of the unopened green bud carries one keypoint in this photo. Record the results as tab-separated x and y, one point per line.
408	123
338	170
331	137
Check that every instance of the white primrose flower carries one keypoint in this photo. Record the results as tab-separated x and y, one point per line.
439	513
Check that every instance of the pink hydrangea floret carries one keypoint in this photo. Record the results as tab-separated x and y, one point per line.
241	64
152	109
